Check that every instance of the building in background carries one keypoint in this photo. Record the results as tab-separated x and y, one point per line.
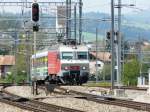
103	58
6	64
61	19
93	65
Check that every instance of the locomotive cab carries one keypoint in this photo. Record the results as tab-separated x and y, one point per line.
74	64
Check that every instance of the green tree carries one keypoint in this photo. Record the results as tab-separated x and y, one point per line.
19	71
131	73
18	77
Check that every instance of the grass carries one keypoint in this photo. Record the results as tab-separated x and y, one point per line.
3	80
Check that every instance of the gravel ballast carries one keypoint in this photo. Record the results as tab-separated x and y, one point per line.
70	102
9	108
87	106
129	94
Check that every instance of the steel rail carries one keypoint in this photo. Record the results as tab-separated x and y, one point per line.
125	87
112	101
32	105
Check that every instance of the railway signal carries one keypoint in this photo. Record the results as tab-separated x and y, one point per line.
108	35
35	28
35	19
35	12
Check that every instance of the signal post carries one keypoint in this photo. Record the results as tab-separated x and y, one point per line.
35	19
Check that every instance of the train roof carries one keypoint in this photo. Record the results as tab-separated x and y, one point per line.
61	48
41	54
73	48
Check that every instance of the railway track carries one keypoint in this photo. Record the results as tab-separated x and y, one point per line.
12	84
34	105
115	87
125	87
111	100
132	88
31	105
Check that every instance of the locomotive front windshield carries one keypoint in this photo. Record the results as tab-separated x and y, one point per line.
67	55
75	55
81	55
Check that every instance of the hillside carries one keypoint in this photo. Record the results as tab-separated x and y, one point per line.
132	28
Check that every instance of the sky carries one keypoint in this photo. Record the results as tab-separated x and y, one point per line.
102	5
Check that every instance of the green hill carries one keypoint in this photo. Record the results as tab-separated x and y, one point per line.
90	37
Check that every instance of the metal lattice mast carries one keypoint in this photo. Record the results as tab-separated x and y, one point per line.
80	21
75	23
112	45
119	45
67	17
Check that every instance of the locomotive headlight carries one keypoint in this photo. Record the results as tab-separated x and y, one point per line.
66	68
84	68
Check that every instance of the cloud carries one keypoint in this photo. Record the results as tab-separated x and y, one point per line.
104	5
96	5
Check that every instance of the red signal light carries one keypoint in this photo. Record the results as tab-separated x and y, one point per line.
35	12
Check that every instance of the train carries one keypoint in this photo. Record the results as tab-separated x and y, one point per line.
61	64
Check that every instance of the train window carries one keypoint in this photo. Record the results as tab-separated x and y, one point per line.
45	60
45	70
82	55
45	73
67	55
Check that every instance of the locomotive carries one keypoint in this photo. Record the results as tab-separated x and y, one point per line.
61	64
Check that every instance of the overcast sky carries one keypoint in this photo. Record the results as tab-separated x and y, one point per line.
104	5
100	5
